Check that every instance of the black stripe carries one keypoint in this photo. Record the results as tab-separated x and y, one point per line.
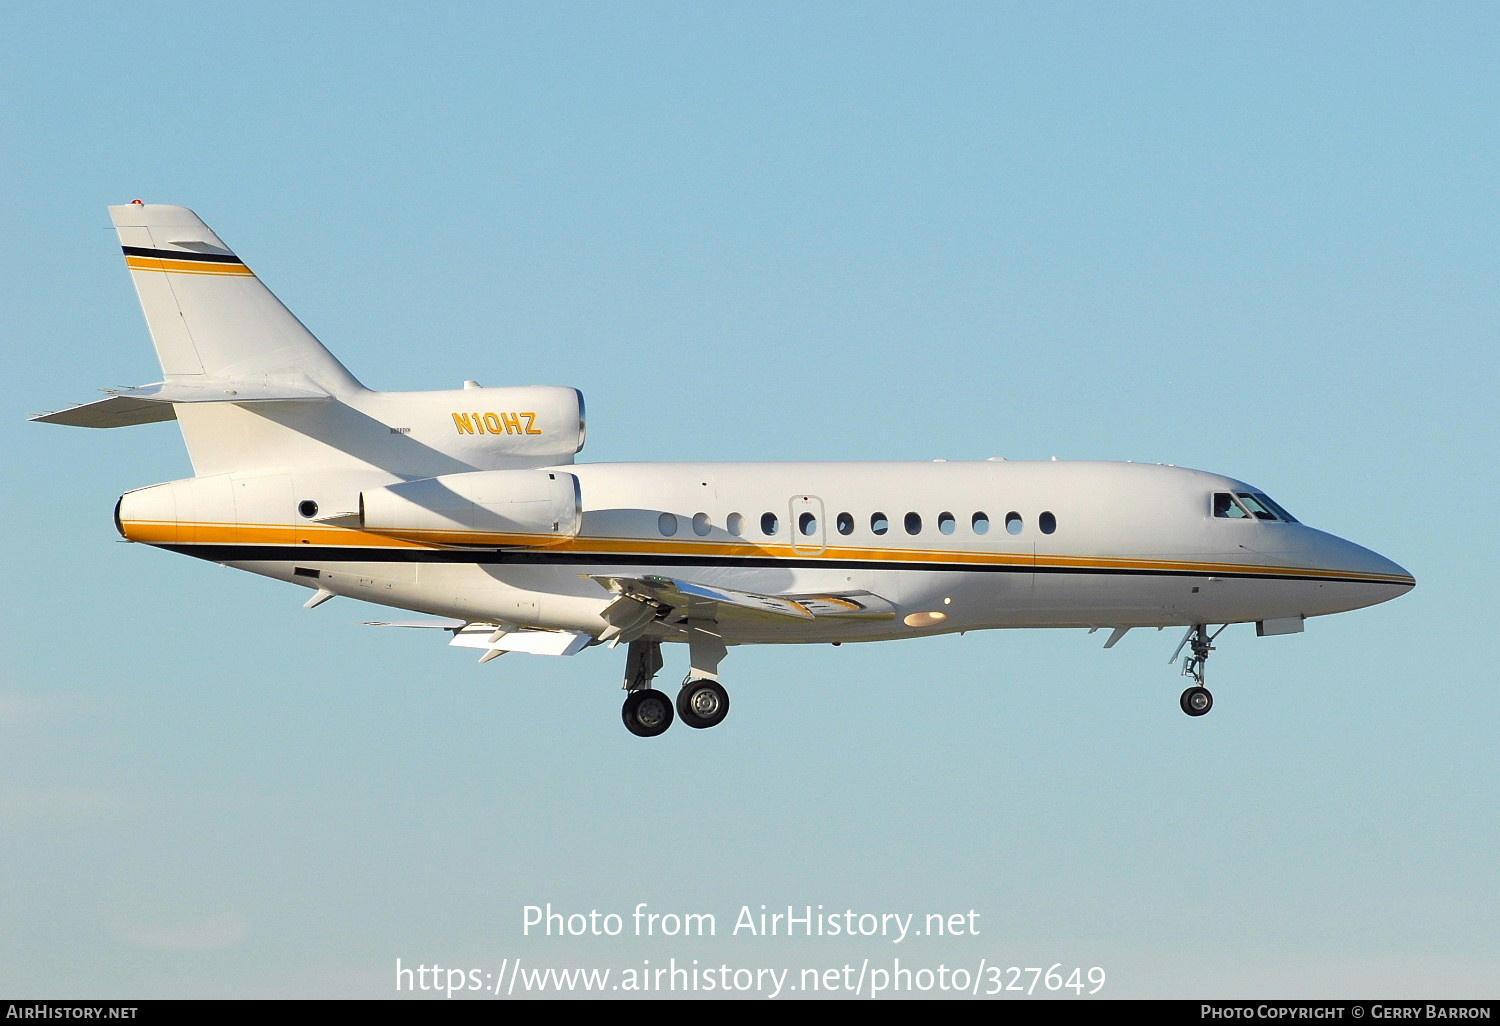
536	557
173	254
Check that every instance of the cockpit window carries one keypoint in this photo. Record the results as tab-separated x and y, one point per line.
1249	506
1281	513
1250	502
1226	508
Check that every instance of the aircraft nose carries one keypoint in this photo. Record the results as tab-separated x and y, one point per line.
1371	564
1371	577
1398	573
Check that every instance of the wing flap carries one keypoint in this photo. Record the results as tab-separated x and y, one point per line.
498	638
670	593
492	638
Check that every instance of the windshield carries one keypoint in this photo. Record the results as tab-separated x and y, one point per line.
1249	506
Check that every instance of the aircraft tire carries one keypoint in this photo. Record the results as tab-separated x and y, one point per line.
702	703
647	712
1196	701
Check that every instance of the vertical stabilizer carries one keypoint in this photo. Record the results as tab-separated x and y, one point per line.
256	395
210	317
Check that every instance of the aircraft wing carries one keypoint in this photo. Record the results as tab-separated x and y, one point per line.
498	639
646	600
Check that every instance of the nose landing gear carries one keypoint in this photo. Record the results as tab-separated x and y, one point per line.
1197	699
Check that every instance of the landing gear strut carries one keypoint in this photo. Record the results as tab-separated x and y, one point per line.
702	703
647	712
1197	699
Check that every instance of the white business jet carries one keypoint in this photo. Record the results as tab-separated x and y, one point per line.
467	505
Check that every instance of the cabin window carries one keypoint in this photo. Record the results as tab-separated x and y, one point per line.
981	523
913	523
845	523
879	523
807	524
666	524
736	524
946	523
1013	522
1047	522
307	508
769	524
701	524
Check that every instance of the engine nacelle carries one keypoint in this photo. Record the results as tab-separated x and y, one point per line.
525	508
486	428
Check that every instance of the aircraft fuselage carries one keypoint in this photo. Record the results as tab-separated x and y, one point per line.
991	544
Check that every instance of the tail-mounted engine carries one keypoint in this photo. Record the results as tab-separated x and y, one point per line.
492	508
530	508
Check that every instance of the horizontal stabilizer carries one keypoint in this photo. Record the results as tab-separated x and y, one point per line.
116	411
218	392
149	404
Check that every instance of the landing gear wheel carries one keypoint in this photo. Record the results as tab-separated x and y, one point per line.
1196	701
702	703
647	712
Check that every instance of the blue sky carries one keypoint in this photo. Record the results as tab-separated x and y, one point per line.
1259	241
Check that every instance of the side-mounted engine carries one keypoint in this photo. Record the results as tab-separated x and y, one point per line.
486	508
529	508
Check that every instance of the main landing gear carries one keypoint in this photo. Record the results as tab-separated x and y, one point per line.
1197	699
647	712
701	703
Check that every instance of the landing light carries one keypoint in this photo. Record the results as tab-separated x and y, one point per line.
925	619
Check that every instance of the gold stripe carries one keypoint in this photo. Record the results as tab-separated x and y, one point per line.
140	263
159	532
